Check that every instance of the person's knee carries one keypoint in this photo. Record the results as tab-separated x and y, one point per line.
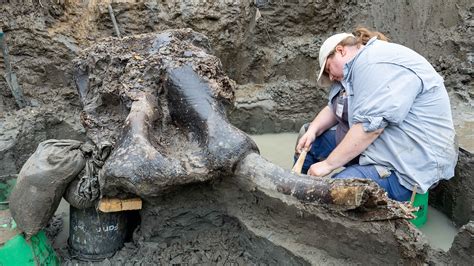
390	184
396	190
357	171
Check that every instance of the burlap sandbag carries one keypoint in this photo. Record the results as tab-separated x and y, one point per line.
42	181
83	192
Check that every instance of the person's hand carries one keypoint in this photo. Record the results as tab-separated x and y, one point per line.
305	142
320	169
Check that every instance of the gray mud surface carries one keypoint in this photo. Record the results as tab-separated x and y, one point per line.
273	59
191	226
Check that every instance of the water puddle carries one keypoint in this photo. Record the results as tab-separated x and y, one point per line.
439	229
279	149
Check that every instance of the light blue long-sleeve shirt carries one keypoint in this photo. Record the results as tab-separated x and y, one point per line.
392	87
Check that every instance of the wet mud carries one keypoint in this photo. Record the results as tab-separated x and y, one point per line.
269	48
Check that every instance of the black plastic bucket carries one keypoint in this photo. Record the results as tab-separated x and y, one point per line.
94	235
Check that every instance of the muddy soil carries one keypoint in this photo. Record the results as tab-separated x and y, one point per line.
219	224
270	49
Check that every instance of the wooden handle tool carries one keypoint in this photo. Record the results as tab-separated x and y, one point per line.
413	195
299	163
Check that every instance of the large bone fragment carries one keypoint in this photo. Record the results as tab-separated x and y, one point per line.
160	99
362	198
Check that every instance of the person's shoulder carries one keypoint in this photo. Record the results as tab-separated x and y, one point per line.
391	46
383	51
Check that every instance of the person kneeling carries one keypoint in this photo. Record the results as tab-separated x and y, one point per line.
391	113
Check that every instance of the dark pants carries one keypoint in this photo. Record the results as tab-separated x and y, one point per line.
325	144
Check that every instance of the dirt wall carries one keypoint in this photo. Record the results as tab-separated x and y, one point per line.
439	30
269	48
455	197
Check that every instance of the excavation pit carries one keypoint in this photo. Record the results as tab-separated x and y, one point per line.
269	48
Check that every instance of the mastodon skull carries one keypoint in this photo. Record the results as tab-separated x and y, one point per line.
160	100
